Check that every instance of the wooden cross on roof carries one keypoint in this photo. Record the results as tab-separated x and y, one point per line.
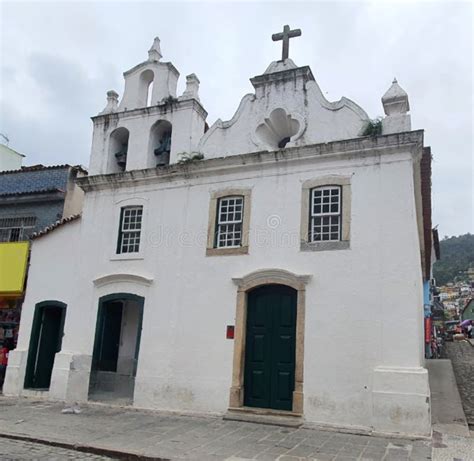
285	36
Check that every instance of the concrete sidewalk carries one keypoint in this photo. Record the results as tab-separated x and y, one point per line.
452	439
125	433
447	414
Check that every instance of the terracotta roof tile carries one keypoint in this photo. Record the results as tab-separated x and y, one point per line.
55	225
40	167
31	192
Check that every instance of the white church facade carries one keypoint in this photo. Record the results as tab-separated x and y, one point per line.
270	264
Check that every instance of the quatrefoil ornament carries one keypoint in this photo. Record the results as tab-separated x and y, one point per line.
279	129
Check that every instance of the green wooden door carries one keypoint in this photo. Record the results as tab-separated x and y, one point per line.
110	325
269	375
45	341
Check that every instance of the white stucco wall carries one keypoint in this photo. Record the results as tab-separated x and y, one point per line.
52	276
128	338
362	365
74	195
9	159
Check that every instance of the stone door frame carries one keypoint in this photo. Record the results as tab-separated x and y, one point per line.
244	285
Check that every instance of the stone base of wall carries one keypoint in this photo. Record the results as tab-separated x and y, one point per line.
70	378
15	376
400	396
401	401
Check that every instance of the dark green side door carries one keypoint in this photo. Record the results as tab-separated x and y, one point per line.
110	324
45	341
269	375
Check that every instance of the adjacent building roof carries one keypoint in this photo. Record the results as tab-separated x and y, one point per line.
55	225
36	179
39	166
40	191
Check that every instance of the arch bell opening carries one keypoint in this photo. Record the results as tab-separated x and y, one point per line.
160	144
118	150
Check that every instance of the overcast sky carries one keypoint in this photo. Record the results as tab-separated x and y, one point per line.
58	59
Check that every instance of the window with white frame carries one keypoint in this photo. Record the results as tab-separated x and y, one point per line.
16	229
325	214
130	229
230	212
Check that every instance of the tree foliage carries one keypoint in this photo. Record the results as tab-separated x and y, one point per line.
457	255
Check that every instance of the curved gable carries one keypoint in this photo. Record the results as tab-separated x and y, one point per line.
288	109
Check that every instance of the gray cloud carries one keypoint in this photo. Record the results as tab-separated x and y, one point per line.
58	60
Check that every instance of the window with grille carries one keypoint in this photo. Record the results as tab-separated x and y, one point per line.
325	214
230	212
16	229
130	229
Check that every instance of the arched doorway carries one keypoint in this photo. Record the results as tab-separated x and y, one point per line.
245	286
269	376
45	340
116	347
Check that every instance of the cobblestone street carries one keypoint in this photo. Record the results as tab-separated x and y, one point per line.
156	434
12	450
462	358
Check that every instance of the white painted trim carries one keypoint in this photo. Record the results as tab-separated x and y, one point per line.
295	115
357	150
120	278
261	277
119	204
312	86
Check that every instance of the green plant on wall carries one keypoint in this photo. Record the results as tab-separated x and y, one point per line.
373	128
185	157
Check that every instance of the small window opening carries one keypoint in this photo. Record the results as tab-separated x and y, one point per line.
15	234
16	229
149	94
146	88
130	229
325	214
229	221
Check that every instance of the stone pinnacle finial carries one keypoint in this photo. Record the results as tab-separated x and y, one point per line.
154	53
112	102
192	88
396	106
394	80
395	100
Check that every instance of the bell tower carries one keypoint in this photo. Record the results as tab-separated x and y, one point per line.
150	126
